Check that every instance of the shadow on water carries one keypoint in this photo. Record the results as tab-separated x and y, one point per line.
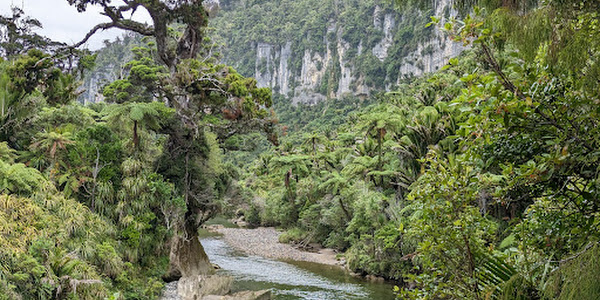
291	280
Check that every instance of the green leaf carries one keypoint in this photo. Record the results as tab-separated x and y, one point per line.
136	113
507	242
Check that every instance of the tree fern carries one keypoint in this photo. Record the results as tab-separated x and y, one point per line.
7	154
577	276
19	179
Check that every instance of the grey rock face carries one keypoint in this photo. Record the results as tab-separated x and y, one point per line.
284	71
435	53
193	288
380	50
209	288
264	65
273	61
245	295
92	86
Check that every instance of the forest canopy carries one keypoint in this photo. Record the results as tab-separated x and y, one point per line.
174	104
478	181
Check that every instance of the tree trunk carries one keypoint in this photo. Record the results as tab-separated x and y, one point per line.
471	262
136	138
348	216
190	258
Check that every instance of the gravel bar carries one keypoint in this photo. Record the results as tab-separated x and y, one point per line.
264	241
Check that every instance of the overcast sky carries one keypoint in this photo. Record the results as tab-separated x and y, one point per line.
63	23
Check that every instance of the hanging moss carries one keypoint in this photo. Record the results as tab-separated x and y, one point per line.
519	288
577	277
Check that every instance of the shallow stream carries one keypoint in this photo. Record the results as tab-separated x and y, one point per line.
291	280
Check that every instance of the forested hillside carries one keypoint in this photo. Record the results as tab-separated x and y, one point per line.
311	51
478	180
104	201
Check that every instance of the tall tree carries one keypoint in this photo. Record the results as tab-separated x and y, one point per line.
17	36
203	93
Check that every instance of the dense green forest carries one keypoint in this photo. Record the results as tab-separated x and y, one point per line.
478	181
104	201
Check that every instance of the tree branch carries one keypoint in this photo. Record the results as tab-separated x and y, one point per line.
117	21
102	26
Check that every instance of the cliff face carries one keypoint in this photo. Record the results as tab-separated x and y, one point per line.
109	66
94	82
312	50
335	55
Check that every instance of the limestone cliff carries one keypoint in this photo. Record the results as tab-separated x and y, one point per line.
311	50
332	48
109	66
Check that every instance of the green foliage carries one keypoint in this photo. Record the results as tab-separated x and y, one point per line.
142	82
19	179
476	182
7	154
92	198
576	276
33	265
451	231
321	28
338	178
521	137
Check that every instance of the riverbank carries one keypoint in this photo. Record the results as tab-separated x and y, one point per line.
257	261
264	242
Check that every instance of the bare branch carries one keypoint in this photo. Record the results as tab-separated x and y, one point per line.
102	26
117	21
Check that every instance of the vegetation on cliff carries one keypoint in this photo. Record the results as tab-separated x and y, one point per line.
322	27
479	181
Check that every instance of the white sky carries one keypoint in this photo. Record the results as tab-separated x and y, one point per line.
62	22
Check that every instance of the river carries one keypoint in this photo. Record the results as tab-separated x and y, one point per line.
291	280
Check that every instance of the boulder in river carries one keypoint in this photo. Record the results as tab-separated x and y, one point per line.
194	288
244	295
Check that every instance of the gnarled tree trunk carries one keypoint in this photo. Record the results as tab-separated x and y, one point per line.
190	257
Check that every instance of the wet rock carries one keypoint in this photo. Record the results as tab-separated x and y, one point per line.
239	212
241	222
315	247
244	295
213	227
373	278
171	275
353	274
193	288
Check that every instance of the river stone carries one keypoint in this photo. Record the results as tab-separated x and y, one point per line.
195	288
244	295
373	278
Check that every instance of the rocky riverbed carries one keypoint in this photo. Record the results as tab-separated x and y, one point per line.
264	242
256	261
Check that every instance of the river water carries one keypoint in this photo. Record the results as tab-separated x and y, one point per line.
291	280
